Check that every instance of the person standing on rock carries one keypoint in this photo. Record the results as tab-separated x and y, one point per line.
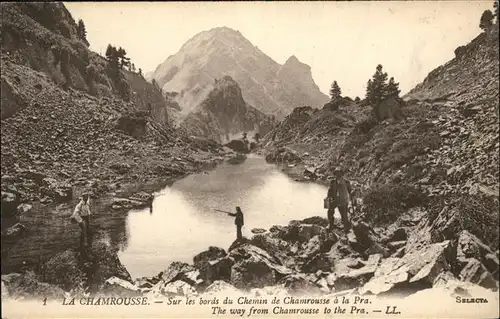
81	215
238	221
339	194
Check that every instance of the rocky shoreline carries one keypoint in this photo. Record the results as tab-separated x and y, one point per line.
303	257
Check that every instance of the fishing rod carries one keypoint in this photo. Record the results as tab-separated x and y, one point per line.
222	211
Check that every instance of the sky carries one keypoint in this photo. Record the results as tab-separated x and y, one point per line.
342	41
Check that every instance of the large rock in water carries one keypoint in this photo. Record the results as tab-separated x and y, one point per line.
255	268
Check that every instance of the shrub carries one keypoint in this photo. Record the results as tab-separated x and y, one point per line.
384	203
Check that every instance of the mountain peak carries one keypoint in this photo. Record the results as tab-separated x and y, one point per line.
292	59
222	30
268	86
295	63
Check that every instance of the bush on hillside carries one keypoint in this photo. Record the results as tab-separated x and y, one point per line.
384	203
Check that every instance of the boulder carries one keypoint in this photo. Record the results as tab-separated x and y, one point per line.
254	267
395	245
215	269
341	249
15	231
258	231
211	254
475	272
398	234
276	247
179	288
308	231
24	208
26	286
491	263
175	270
105	264
319	262
385	278
65	270
469	246
10	201
278	231
119	288
352	278
237	243
418	267
311	248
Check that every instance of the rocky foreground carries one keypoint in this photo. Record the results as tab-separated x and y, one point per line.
303	257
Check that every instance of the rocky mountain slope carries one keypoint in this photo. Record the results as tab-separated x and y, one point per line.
271	88
224	113
67	119
442	156
447	142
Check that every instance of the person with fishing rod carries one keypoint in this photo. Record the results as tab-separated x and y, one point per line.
238	220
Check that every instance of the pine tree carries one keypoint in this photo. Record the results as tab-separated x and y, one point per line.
124	61
393	88
109	51
335	91
376	89
113	57
81	31
486	20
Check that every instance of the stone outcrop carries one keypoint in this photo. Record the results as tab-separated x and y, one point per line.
224	113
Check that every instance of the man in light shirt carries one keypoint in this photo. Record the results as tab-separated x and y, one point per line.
81	215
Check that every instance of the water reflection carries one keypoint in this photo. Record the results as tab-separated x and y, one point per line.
184	221
181	222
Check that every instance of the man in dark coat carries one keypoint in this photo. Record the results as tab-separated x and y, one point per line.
339	195
238	221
